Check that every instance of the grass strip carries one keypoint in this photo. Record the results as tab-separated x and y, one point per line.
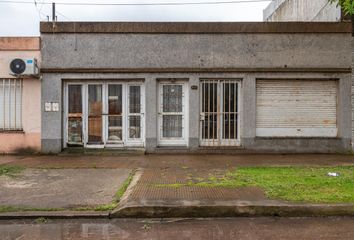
296	184
10	171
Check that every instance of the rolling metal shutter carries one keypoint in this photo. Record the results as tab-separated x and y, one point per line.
296	108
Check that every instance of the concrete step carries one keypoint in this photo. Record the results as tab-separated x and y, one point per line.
102	152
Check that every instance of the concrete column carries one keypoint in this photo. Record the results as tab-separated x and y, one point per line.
193	112
248	114
352	89
344	114
151	119
51	130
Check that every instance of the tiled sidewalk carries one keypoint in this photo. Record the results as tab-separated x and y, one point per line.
157	161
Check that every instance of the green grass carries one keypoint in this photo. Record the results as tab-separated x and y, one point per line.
124	187
41	220
4	209
298	184
9	170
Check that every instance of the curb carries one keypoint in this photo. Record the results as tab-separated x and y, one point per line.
233	211
53	215
204	211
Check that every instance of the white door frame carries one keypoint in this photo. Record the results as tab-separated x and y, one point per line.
183	141
126	141
135	142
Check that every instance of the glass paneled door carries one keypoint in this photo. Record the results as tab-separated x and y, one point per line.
115	114
172	114
95	115
106	114
220	109
135	113
74	120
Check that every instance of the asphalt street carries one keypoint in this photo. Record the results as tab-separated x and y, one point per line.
196	229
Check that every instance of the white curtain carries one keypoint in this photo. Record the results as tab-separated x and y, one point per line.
10	104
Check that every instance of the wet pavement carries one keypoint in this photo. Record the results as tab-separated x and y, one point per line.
193	161
196	229
41	188
61	188
160	185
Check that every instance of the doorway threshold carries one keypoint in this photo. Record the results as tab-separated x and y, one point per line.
102	151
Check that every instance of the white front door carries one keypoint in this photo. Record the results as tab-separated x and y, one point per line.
106	114
173	129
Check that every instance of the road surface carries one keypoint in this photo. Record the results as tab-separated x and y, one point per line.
196	229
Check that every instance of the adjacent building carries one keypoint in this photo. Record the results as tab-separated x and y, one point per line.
302	11
20	112
267	87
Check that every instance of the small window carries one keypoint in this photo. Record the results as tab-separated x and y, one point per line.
10	104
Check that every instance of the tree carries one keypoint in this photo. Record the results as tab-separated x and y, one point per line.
347	6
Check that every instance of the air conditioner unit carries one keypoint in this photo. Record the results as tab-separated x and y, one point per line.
24	67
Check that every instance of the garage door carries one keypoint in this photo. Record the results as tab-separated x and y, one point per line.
298	108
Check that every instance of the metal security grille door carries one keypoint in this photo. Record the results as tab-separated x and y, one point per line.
220	109
172	119
296	108
104	115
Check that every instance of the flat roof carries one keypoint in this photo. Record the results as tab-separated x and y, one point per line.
19	43
195	27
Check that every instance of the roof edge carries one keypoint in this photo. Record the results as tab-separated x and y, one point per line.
195	27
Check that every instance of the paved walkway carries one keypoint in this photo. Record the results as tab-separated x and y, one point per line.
146	192
61	188
160	185
177	161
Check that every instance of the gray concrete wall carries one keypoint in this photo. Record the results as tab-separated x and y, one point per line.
129	51
51	121
302	10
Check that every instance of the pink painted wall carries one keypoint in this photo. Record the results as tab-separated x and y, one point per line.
30	138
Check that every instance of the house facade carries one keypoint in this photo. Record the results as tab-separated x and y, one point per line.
268	87
20	114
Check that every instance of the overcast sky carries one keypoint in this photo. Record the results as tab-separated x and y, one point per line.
23	19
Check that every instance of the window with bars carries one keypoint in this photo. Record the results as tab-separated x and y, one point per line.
10	104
